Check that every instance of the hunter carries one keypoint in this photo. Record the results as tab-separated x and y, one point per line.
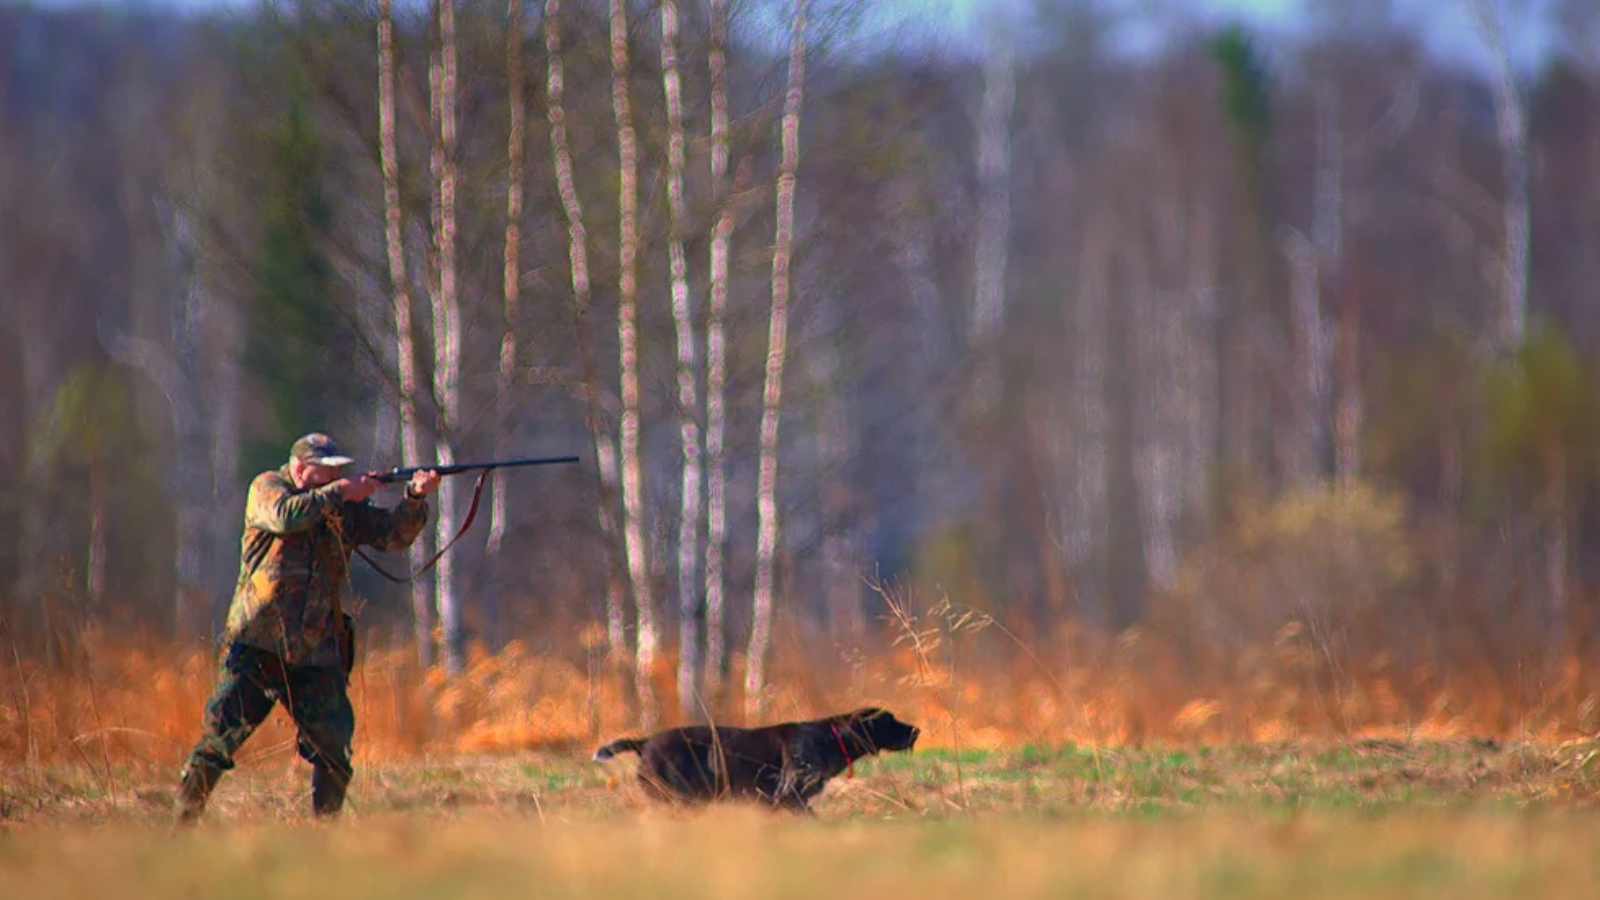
287	637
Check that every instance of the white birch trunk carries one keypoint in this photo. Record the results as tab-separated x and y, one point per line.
1511	119
610	478
1327	228
840	590
446	332
1090	434
772	393
627	337
716	362
180	376
1201	366
189	396
914	260
1312	261
386	418
913	241
1178	445
688	394
1160	343
221	399
505	387
407	373
578	259
1312	346
994	212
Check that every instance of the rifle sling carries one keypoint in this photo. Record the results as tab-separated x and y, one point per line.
472	511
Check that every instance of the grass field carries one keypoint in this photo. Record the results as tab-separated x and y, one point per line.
1084	771
1371	818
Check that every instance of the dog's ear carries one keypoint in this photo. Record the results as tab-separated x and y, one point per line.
865	715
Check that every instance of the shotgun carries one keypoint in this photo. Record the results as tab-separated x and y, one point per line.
403	473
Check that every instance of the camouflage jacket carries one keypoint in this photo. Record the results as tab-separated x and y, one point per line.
293	562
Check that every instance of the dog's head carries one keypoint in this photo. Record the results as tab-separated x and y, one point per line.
871	729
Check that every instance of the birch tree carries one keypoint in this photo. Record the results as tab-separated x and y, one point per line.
223	333
1126	563
89	412
994	211
836	446
505	386
1511	120
179	376
716	354
578	261
627	341
688	395
990	257
1312	259
1327	241
1342	154
408	376
1340	375
772	391
446	324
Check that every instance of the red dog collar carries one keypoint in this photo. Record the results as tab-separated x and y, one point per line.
850	764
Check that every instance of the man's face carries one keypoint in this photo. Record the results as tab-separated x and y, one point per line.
311	475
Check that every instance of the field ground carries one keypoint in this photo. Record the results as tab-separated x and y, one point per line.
1463	819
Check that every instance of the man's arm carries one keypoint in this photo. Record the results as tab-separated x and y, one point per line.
390	529
274	507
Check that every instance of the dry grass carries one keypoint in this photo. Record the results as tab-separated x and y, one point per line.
1030	782
1465	819
1201	756
967	679
499	799
739	854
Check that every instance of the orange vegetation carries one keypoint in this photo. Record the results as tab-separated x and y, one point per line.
968	680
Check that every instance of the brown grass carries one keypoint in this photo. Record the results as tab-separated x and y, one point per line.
1359	818
738	854
969	680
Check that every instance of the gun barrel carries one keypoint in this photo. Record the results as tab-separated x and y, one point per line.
403	472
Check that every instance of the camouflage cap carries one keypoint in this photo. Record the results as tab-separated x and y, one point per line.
318	449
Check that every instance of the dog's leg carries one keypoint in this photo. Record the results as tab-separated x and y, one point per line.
796	802
795	784
787	788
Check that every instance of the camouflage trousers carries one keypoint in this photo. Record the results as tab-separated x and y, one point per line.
250	682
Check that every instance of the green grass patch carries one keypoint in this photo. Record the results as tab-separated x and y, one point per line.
1464	820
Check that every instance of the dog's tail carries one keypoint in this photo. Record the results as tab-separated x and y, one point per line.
620	745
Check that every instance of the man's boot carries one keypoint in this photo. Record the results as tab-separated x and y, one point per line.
327	791
194	787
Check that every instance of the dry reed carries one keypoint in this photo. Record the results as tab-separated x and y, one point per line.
969	680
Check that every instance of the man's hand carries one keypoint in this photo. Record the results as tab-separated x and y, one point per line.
357	488
424	483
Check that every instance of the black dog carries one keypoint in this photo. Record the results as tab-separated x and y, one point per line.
784	765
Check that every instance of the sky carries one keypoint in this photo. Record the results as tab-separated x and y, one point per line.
1445	24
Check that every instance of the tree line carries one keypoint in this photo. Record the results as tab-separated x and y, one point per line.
1212	337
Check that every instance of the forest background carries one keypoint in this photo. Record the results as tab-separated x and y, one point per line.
1096	371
